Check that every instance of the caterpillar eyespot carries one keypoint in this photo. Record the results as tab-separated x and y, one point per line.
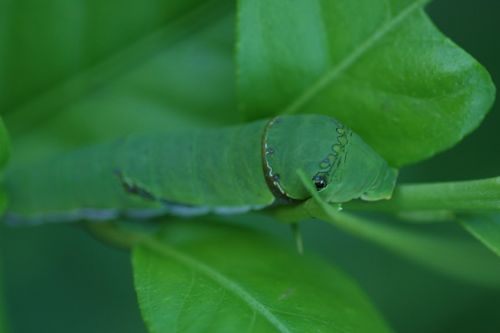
320	182
222	171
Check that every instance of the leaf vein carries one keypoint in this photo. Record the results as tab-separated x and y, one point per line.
336	71
220	279
185	301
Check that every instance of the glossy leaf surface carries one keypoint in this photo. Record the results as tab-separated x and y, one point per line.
214	278
379	66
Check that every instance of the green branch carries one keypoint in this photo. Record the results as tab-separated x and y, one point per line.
461	197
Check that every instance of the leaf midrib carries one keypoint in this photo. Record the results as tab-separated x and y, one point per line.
219	278
351	58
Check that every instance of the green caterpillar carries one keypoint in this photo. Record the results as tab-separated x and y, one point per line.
222	171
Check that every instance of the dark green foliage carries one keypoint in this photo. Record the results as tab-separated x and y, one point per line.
74	74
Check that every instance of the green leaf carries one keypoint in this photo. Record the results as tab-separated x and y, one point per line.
146	86
486	228
379	66
79	50
204	277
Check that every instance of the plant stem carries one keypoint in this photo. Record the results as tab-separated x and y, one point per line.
452	257
463	196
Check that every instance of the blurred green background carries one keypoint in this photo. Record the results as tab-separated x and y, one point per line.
57	278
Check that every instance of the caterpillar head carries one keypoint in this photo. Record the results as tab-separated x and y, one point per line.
337	161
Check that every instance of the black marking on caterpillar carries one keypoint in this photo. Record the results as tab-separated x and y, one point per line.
134	189
272	179
337	155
